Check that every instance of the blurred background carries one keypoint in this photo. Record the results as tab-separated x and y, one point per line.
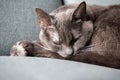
97	2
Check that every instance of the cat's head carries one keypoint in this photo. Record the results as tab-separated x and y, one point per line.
60	30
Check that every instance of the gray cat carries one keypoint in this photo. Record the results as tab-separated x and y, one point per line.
77	32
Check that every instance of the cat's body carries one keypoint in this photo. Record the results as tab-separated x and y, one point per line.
81	33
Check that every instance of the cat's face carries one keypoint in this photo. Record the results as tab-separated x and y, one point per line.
54	35
60	31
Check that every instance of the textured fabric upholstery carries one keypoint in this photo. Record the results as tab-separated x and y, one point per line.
18	20
26	68
98	2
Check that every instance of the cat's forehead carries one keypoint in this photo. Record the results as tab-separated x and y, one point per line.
64	13
64	16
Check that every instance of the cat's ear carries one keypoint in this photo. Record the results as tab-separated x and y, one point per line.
43	17
80	12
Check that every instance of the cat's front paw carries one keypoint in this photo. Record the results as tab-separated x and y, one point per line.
21	48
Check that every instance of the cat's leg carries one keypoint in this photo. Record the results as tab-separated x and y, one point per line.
25	48
95	58
20	48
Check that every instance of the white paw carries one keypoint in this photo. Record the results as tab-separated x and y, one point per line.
18	50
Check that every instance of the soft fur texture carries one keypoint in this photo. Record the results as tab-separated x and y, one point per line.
80	33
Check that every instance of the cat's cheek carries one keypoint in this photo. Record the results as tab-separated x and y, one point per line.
55	37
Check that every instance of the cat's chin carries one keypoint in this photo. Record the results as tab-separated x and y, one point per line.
63	54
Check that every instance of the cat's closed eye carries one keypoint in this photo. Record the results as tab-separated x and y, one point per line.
50	29
56	43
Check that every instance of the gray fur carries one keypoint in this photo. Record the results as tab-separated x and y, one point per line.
81	33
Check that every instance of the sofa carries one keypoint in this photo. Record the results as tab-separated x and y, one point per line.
18	21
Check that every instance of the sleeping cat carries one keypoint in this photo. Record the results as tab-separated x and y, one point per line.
77	32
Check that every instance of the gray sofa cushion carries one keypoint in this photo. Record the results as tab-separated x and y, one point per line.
98	2
18	20
27	68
